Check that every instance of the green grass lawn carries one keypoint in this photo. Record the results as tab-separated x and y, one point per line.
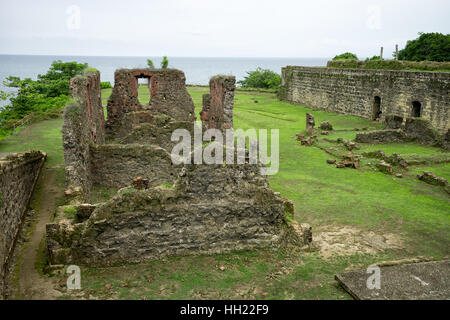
324	197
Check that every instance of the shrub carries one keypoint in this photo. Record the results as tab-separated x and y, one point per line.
105	85
164	62
427	47
150	64
346	56
261	78
375	58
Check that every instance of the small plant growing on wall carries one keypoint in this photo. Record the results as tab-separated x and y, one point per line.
164	62
150	64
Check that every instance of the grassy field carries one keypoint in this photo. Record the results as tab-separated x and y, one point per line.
347	209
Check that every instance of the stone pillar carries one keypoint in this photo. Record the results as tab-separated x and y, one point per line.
217	109
310	123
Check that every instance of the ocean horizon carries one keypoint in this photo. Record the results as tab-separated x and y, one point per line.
198	70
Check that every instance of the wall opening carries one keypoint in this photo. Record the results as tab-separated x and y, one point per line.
416	109
376	108
144	92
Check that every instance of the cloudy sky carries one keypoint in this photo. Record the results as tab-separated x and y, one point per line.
210	28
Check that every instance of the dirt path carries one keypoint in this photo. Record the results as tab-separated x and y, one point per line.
32	285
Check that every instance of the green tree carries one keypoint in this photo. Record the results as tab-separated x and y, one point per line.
164	62
150	64
261	78
105	85
427	47
44	97
346	56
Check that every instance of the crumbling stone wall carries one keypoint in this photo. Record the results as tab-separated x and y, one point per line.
115	165
218	105
169	209
353	91
89	160
167	90
84	124
18	175
209	209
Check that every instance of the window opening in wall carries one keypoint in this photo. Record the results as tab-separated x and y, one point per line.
144	92
376	109
416	109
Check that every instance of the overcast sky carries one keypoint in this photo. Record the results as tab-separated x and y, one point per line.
210	28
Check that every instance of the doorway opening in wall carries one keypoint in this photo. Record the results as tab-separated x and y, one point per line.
376	109
416	111
144	84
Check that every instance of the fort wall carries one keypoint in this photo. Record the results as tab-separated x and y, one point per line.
370	94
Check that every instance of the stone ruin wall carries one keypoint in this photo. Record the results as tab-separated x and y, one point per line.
169	209
217	111
135	139
94	157
116	165
18	175
209	209
353	92
84	124
168	95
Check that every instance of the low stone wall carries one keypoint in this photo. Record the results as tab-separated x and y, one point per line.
415	129
371	93
209	209
18	176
